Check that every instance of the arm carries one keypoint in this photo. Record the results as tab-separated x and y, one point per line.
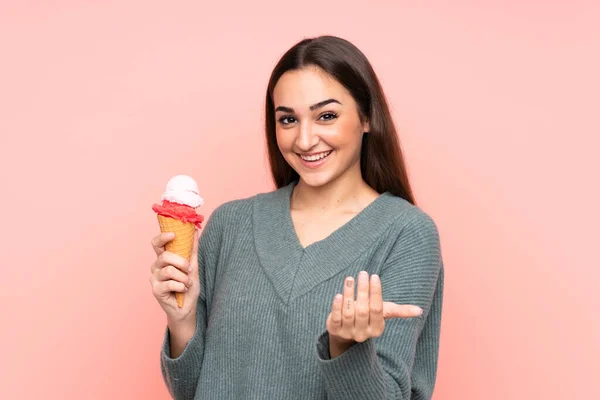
183	344
402	362
181	373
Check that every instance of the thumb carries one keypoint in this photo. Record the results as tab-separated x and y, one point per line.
393	310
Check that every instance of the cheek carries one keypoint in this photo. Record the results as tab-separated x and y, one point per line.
345	133
283	141
279	138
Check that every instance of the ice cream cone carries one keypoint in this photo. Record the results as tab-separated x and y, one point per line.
182	243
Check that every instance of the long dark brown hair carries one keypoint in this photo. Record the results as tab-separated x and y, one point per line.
381	161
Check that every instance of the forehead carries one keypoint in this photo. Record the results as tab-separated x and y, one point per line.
302	88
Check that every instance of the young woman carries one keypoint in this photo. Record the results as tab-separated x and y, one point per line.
330	286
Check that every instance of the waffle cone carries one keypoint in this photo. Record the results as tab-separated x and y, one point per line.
182	243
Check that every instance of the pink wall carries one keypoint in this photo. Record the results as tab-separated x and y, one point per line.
101	102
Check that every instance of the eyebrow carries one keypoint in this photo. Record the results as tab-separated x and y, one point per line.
313	107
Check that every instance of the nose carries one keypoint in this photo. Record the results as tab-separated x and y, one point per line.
306	138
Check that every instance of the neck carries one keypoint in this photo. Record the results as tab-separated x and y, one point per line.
348	191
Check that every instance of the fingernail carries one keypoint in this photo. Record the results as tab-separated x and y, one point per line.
363	274
418	310
171	234
375	277
190	282
190	268
349	282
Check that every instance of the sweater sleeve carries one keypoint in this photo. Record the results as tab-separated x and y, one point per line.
181	374
402	362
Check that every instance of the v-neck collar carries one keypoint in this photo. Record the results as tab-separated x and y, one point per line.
349	225
293	269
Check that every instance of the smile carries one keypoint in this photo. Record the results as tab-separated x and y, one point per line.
315	161
316	157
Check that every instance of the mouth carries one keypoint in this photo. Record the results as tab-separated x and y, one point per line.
315	160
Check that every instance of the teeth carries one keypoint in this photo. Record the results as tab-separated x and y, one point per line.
316	156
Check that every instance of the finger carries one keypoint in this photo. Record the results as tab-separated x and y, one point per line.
393	310
171	273
376	321
159	241
165	287
348	303
361	307
168	258
336	311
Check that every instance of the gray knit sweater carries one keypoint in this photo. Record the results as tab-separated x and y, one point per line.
264	301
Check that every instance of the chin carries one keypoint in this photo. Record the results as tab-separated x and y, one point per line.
316	180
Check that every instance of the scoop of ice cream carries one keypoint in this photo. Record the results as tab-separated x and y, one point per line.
183	189
179	211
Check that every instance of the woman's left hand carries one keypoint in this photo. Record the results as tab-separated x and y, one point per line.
353	321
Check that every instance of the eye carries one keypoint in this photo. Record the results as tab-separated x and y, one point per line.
286	120
328	116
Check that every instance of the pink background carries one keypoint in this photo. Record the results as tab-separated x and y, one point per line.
101	102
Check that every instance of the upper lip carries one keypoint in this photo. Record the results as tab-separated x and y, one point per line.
313	153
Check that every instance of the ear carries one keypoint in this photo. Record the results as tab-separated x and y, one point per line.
366	127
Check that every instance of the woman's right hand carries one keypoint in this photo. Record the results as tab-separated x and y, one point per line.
172	273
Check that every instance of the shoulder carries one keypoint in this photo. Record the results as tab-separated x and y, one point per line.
240	209
415	248
412	222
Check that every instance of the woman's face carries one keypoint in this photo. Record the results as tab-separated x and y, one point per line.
318	128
